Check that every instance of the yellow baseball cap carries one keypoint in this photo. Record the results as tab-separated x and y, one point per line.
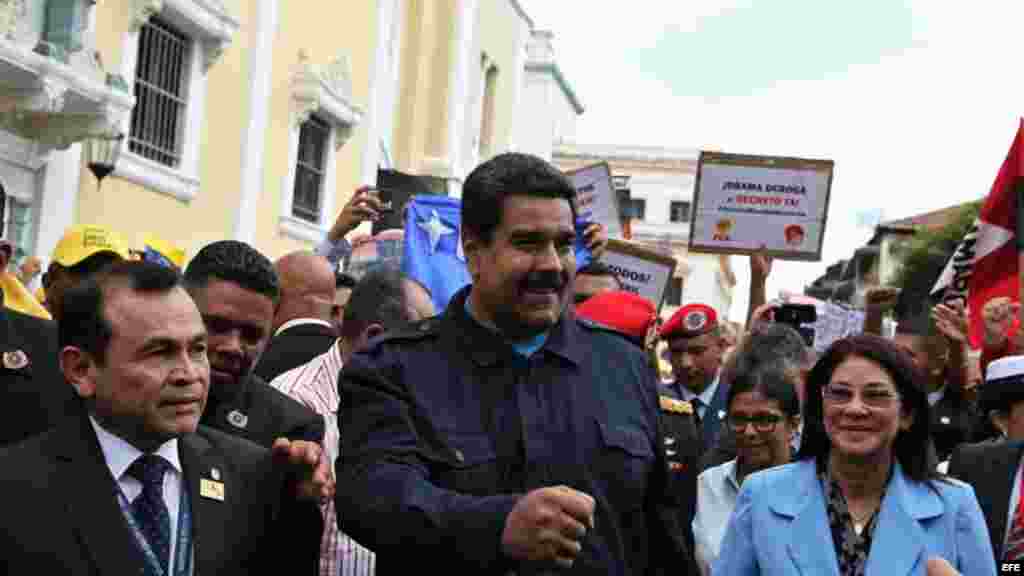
158	250
81	242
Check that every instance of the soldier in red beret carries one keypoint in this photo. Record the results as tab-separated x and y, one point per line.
696	347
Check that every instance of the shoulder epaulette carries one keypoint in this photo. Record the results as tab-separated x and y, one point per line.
675	405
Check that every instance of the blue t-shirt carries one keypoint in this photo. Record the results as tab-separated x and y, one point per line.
524	348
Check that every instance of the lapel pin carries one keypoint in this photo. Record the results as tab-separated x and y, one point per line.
211	489
669	441
237	419
670	452
215	474
15	360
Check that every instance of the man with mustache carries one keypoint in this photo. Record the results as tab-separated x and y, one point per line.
506	436
696	347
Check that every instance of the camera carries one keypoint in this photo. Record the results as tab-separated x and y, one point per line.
798	316
385	196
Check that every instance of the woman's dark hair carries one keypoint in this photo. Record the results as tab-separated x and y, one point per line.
910	447
774	380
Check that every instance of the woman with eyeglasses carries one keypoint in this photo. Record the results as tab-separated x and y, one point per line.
763	413
861	498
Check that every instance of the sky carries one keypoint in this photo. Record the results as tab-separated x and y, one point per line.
915	101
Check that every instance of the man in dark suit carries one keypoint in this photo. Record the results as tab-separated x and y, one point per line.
235	289
993	469
303	327
130	484
696	347
33	395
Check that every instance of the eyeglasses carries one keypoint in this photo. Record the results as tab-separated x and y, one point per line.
761	422
872	397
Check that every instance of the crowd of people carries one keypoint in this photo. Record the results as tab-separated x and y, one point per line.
243	416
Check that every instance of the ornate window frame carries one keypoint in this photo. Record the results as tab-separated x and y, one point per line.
327	92
211	29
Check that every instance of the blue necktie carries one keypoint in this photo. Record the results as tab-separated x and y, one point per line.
149	509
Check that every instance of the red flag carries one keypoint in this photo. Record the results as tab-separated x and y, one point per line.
984	265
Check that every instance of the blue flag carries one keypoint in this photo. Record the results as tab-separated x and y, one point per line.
583	255
433	247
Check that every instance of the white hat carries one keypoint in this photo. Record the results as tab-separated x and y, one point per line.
1006	367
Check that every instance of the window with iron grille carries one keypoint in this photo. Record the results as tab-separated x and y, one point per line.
309	169
161	93
679	212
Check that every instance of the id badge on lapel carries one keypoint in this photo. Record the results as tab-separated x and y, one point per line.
16	361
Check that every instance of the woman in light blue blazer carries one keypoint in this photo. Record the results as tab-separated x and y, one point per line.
862	498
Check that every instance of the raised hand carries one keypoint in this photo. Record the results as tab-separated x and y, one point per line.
951	321
997	315
364	205
307	463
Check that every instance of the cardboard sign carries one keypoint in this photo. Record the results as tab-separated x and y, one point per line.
596	200
743	203
640	270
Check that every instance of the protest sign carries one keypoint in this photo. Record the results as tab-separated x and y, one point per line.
743	203
834	322
397	188
640	270
596	200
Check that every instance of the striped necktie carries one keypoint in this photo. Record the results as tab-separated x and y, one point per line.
1014	549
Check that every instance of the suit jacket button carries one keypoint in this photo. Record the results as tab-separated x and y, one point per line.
459	456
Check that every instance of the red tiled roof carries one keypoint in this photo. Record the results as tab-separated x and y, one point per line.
929	220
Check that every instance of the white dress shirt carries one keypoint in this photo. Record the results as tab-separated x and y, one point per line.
120	455
705	397
717	491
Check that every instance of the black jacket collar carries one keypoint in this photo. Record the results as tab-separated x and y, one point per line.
486	347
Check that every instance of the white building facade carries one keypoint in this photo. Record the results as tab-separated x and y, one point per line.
661	183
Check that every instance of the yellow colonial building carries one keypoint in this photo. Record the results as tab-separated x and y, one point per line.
245	119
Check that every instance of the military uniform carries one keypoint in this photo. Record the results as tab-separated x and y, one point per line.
444	426
682	455
692	321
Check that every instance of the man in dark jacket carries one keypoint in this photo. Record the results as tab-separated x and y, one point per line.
33	394
235	288
994	469
507	436
303	324
129	472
